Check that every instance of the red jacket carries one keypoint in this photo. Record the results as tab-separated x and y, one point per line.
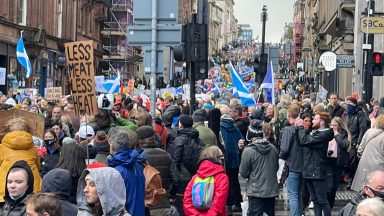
206	169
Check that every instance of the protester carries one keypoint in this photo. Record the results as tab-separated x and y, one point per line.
259	165
127	161
101	143
370	207
200	196
45	204
205	133
51	158
101	191
19	185
56	182
72	158
334	109
18	145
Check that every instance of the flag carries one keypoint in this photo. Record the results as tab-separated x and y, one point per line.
22	57
240	90
269	85
112	85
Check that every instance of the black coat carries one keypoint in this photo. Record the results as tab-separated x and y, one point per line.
57	181
357	125
315	146
162	161
49	162
242	124
336	110
290	149
342	147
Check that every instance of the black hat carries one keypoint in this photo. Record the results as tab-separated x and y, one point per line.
186	121
255	129
101	141
199	115
145	131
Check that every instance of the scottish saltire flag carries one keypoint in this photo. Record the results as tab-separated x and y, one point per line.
112	85
22	57
268	85
240	90
179	90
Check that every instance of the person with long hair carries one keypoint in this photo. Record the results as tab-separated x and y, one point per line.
72	158
101	191
337	160
211	165
51	144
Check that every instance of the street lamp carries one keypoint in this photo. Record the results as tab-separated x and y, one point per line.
320	68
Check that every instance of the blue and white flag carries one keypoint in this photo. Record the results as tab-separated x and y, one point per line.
240	90
269	85
23	58
179	90
112	85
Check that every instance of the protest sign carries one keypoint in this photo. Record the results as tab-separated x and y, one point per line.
131	86
53	93
81	74
99	82
34	122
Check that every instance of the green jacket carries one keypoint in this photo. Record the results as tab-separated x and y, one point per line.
125	124
259	164
205	133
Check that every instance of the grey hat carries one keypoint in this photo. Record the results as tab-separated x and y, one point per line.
145	131
199	115
68	140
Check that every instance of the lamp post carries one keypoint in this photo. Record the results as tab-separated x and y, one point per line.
320	68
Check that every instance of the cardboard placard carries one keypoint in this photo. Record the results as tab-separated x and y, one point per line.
53	93
81	74
35	122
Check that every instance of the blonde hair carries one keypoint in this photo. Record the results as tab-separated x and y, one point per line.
211	152
341	123
379	122
17	124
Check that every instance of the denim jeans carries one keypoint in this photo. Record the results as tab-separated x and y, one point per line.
294	185
318	190
259	205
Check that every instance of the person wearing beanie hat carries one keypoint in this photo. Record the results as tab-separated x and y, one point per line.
101	143
351	100
205	133
145	131
34	108
186	121
259	164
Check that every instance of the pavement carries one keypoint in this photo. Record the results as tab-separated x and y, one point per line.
282	204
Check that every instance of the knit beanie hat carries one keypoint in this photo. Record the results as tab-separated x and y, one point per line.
186	121
199	115
101	141
145	131
255	129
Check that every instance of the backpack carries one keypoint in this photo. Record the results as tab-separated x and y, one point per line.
202	193
191	154
154	191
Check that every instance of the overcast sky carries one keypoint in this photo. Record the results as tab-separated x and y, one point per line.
279	12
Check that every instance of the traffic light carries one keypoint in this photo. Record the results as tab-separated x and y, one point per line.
377	63
256	64
197	40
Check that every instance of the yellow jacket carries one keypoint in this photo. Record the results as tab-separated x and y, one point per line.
15	146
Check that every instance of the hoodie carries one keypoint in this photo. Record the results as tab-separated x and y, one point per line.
127	162
206	169
259	164
110	189
56	181
230	135
17	207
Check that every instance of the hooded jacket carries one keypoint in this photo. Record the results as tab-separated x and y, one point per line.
110	189
57	181
127	162
205	134
17	207
259	164
206	169
15	146
231	136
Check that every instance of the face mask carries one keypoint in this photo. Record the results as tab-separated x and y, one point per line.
377	193
14	198
351	109
49	142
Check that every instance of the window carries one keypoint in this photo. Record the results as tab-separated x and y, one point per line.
22	13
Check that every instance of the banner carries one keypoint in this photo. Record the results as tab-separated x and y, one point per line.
53	93
131	86
99	82
2	76
35	122
322	94
80	67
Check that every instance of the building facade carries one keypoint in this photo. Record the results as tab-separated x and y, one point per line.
246	34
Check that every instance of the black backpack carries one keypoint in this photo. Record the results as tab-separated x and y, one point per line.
191	154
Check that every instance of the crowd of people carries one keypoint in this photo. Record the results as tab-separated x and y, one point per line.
125	161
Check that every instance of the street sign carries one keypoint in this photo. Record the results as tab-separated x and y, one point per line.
167	12
147	61
345	61
328	60
141	35
375	25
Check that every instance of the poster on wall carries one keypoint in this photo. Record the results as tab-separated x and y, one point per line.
2	76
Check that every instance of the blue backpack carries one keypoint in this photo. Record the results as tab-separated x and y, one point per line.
202	193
